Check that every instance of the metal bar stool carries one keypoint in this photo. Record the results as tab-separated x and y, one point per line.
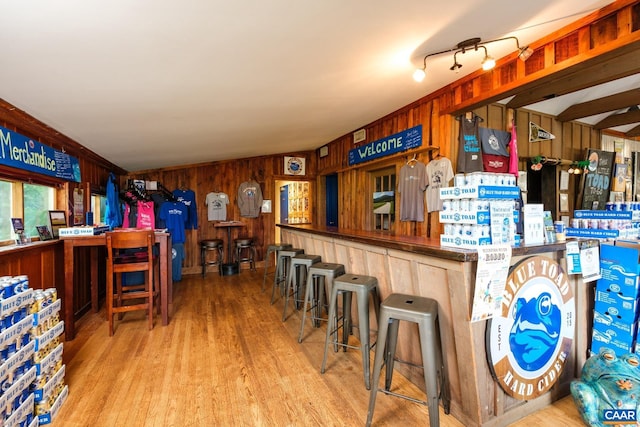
273	249
298	264
245	244
282	269
424	312
362	286
216	245
321	274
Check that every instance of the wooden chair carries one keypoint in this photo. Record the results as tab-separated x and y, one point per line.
130	251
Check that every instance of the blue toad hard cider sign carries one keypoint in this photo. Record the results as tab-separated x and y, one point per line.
401	141
20	152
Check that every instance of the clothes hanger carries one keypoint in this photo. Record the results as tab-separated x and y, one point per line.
413	160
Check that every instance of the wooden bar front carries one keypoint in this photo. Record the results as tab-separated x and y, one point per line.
419	266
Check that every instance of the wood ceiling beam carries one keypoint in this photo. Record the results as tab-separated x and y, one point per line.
631	133
618	120
582	77
601	105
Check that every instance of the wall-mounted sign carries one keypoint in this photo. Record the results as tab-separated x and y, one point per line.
596	183
20	152
530	340
401	141
294	165
536	133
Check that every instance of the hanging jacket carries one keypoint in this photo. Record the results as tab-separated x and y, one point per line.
113	212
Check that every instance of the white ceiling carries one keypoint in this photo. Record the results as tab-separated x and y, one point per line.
149	84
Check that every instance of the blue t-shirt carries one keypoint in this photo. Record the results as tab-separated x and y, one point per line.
174	215
188	197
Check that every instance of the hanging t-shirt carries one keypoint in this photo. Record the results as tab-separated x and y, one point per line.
217	206
495	156
146	215
439	173
469	152
249	199
174	215
188	197
411	185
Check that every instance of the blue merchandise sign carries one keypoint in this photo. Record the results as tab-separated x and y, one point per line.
20	152
401	141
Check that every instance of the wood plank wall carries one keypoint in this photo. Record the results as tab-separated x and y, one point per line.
44	264
226	176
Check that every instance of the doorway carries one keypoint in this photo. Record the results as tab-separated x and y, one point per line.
293	205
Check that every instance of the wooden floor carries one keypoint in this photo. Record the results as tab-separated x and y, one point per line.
227	359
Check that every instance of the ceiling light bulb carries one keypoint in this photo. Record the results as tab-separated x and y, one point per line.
570	170
525	53
418	74
488	63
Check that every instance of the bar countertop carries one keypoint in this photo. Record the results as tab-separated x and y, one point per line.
416	244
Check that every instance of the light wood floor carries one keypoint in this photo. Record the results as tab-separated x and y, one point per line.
226	359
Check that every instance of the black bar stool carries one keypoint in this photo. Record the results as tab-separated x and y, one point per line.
424	312
215	245
245	251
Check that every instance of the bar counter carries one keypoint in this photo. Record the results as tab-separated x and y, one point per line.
420	266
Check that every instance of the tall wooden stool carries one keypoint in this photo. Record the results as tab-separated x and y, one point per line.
424	312
320	275
245	251
363	287
273	249
298	272
282	266
215	245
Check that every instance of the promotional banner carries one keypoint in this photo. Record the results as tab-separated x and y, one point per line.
401	141
20	152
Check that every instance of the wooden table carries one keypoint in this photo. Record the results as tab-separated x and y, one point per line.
166	282
230	267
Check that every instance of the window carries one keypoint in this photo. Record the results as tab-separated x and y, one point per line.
6	201
384	184
38	201
31	202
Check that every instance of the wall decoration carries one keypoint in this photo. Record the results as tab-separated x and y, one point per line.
20	152
57	220
396	143
530	339
536	133
294	166
596	183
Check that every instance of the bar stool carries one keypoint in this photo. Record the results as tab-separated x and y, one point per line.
216	245
298	264
362	286
245	251
273	249
322	274
424	312
282	269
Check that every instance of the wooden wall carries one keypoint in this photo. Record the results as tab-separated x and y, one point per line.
226	176
44	263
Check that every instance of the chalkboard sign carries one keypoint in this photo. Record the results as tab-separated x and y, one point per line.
597	180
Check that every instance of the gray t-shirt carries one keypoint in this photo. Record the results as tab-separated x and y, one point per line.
411	186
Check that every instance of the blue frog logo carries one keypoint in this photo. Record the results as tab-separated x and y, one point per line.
535	332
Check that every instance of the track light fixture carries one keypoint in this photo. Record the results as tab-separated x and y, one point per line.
468	45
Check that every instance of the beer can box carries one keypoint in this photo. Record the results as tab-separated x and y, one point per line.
22	384
48	336
11	364
25	408
47	312
50	360
605	320
48	389
51	415
619	270
617	305
608	338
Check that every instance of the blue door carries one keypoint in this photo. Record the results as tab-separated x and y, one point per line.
284	204
332	200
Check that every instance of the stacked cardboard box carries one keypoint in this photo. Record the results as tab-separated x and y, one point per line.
16	353
49	387
616	300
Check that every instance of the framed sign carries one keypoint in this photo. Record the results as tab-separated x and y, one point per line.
57	220
596	183
43	232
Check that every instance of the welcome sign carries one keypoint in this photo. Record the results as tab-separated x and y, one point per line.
401	141
20	152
